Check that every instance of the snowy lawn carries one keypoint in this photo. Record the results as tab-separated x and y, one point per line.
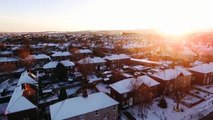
207	88
189	99
156	113
103	88
201	94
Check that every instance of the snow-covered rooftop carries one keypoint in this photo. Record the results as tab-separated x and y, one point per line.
170	74
83	51
146	61
59	53
139	67
183	70
80	105
203	68
89	60
27	77
8	59
39	56
53	64
126	85
6	52
147	81
117	57
18	102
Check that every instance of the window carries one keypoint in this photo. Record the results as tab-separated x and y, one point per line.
96	113
82	117
114	107
114	115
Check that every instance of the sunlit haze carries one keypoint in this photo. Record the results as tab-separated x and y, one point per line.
167	16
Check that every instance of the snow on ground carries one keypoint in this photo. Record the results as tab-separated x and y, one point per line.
93	78
71	91
156	113
189	99
208	88
103	88
49	99
201	94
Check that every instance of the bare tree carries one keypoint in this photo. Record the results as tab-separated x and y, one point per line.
142	96
28	62
178	92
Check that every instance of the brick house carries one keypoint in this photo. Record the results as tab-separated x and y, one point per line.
202	74
125	91
97	106
116	60
20	106
168	78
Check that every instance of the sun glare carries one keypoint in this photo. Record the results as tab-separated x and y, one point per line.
173	31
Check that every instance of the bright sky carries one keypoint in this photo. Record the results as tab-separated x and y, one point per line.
173	16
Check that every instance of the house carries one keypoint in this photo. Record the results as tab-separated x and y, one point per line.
125	91
170	77
20	107
81	53
36	48
150	63
116	60
6	53
95	62
202	74
40	59
10	60
96	106
50	66
59	55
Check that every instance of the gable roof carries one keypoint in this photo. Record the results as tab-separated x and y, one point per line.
125	86
168	74
171	74
148	81
59	53
203	68
117	57
18	102
89	60
80	105
53	64
27	77
8	59
83	51
39	56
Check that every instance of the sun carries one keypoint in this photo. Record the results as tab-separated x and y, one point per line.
173	31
